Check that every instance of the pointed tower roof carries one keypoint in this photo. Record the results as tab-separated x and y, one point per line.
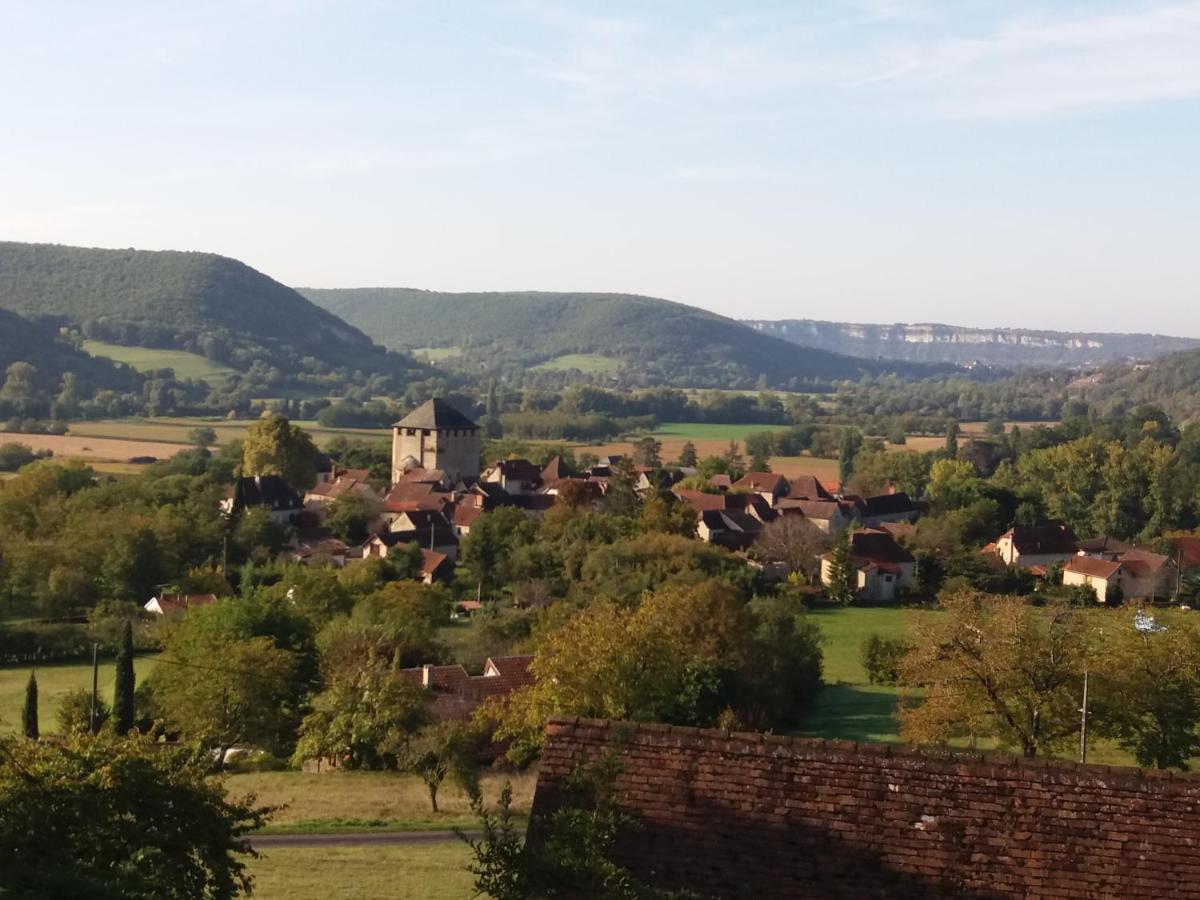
435	414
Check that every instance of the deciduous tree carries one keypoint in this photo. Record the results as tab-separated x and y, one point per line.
998	667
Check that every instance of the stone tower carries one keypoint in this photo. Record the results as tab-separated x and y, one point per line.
435	435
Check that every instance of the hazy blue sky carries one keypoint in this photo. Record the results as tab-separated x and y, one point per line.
982	163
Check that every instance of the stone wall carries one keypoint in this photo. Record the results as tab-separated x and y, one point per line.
752	815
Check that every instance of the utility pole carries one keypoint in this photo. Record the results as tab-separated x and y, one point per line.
95	685
1083	711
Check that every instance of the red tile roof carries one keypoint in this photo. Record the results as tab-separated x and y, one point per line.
1091	567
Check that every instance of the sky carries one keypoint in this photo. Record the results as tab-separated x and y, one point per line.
977	163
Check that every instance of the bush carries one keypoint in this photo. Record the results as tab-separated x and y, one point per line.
881	658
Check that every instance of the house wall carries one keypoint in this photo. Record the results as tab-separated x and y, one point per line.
1099	585
752	815
454	450
1159	586
1029	560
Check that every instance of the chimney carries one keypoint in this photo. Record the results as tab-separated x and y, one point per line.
426	676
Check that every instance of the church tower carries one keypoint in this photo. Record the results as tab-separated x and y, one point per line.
435	435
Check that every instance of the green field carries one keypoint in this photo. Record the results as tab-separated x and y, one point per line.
436	354
175	429
144	359
592	363
53	682
435	871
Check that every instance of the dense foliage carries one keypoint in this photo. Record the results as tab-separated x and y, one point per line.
646	341
106	818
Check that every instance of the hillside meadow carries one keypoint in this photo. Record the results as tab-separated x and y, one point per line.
148	359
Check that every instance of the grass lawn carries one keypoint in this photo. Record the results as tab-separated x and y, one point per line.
592	363
419	872
368	801
186	365
53	682
848	707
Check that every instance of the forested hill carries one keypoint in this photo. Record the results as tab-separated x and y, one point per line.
52	357
200	302
623	338
1172	382
1006	347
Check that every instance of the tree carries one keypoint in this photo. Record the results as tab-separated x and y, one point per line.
485	554
130	819
997	667
622	498
951	448
1147	690
364	716
273	446
685	654
667	515
202	438
223	694
842	585
647	452
29	713
350	515
123	709
406	560
760	446
687	456
75	712
442	750
794	543
851	443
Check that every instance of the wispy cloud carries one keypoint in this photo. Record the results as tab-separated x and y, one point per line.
1008	67
1034	66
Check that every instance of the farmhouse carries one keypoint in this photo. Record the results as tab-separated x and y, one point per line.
883	566
266	492
1098	574
177	604
1027	546
456	694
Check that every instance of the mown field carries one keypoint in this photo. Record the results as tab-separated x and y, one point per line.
369	801
54	682
146	359
171	429
592	363
94	447
436	871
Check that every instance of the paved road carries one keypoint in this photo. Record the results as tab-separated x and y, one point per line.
342	839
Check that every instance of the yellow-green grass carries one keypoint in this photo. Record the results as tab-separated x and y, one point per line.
368	801
54	682
436	871
436	354
592	363
144	359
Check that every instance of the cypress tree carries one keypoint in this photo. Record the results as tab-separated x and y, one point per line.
29	715
122	708
842	583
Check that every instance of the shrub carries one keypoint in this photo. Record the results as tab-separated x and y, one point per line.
881	658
